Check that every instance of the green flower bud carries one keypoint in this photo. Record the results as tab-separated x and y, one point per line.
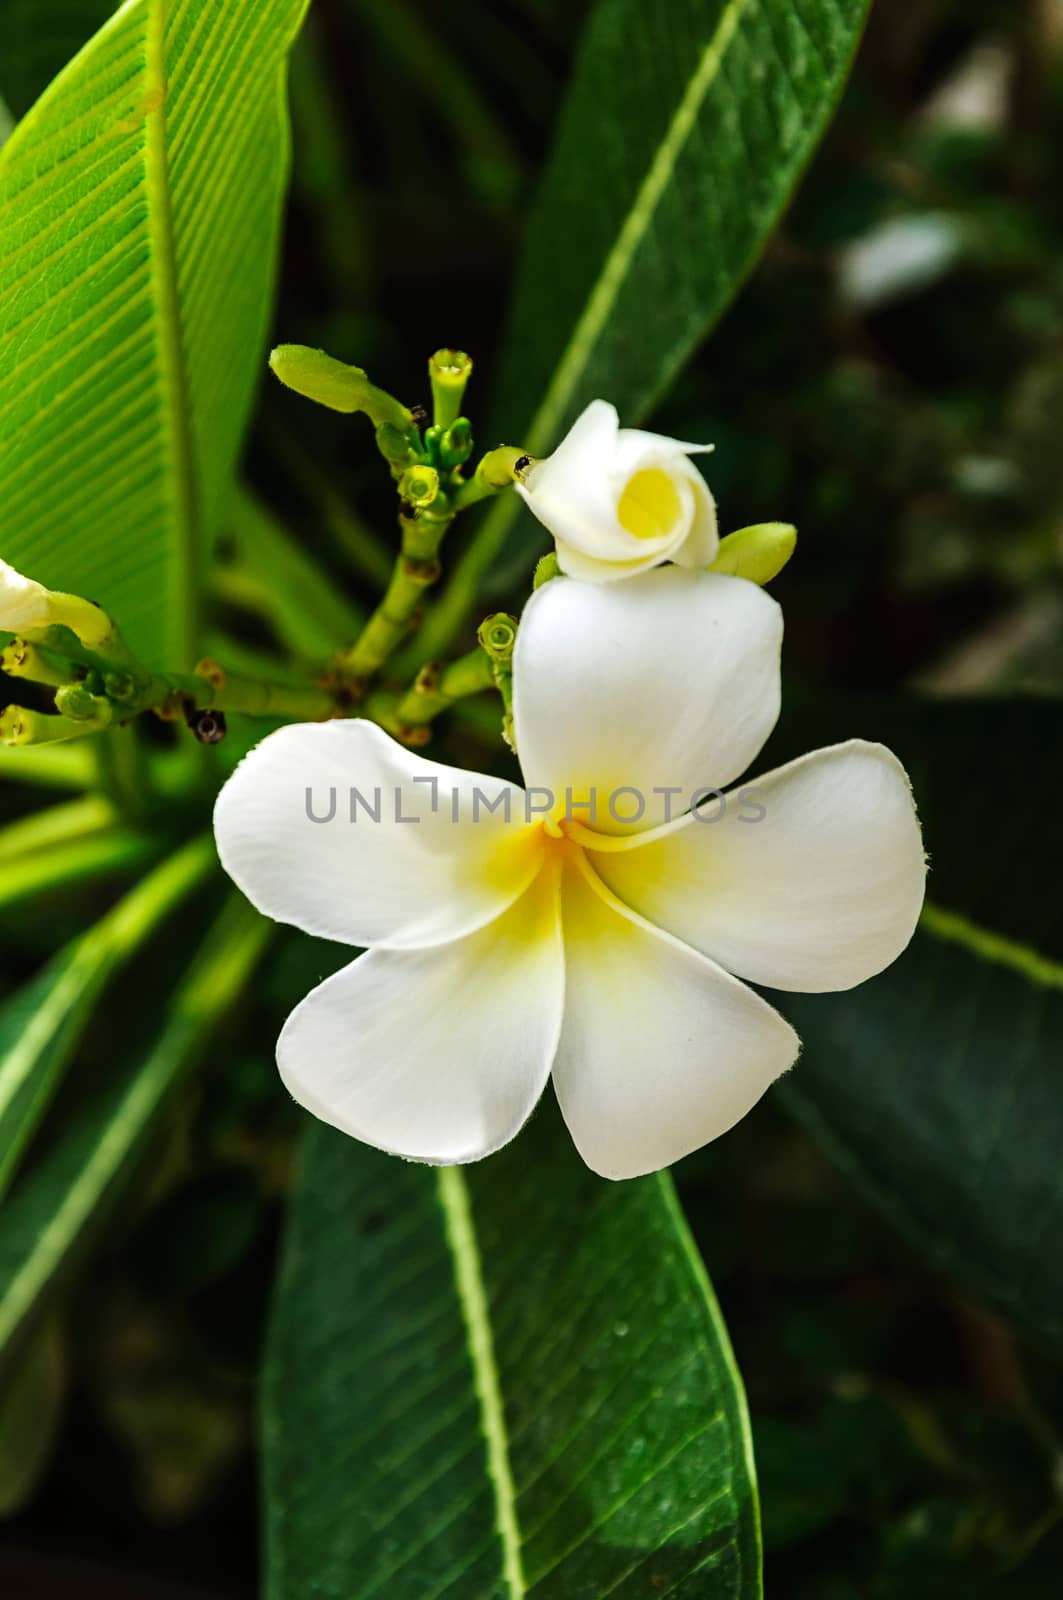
419	486
498	634
79	704
758	553
334	384
455	447
546	568
448	372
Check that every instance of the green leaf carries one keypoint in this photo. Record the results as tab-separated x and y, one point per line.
83	859
54	1209
686	128
310	615
936	1086
53	766
42	1024
496	1381
140	203
31	1404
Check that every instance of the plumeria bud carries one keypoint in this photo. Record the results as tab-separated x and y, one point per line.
497	635
21	726
27	607
419	486
546	567
20	659
448	371
455	447
494	471
619	500
334	384
758	553
396	445
79	704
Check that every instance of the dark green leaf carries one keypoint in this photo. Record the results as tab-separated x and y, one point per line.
504	1380
937	1085
53	1210
41	1024
686	128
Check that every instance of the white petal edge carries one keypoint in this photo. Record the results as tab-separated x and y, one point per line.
668	680
570	490
660	1051
395	884
813	883
436	1055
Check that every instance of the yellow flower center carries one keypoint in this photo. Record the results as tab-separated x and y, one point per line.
649	505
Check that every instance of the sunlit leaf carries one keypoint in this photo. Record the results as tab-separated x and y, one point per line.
139	209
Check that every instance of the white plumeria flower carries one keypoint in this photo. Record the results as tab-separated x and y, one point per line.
619	501
24	604
503	951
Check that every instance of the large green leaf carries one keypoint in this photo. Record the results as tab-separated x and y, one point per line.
57	1204
505	1380
937	1084
685	131
42	1023
309	614
139	209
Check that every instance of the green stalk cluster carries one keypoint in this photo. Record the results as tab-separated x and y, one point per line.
429	472
75	650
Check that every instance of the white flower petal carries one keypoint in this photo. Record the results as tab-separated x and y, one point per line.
399	884
436	1055
820	892
660	1050
24	604
570	491
669	680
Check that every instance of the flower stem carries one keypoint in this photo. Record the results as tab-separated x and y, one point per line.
437	688
416	569
211	688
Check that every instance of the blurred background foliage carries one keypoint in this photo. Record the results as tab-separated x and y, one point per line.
890	379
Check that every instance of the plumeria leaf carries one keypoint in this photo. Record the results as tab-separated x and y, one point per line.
309	613
140	203
54	1208
42	1023
721	103
98	853
936	1086
31	1403
496	1381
